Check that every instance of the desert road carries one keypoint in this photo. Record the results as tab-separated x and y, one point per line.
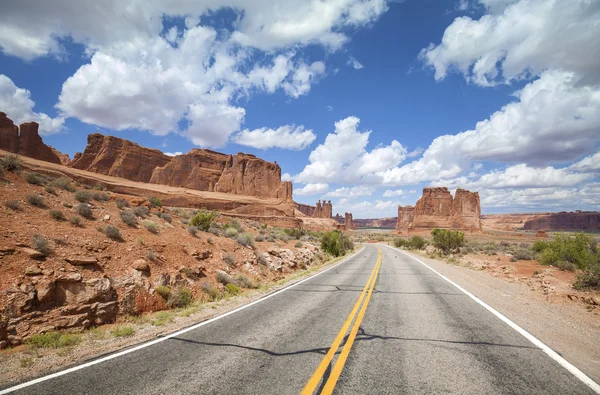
377	323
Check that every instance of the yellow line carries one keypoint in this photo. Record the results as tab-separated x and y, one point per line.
318	374
341	361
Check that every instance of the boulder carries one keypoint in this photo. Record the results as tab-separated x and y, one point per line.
140	265
82	261
33	254
33	270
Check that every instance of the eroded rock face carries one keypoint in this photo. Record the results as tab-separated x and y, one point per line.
324	210
9	134
199	169
119	158
31	144
64	158
438	209
348	221
245	174
565	221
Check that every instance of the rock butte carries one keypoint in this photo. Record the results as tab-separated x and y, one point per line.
437	209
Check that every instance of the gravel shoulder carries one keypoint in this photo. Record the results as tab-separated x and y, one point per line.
568	328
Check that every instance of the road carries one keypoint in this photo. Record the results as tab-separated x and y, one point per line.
414	333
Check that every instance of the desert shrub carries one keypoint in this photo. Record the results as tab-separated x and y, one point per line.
128	218
12	204
64	183
589	278
75	220
215	231
203	219
210	290
112	232
263	258
417	243
35	179
245	282
233	289
12	163
50	190
192	230
141	211
294	233
155	201
162	318
259	238
233	224
123	331
150	226
83	196
163	291
523	254
575	249
84	210
231	232
166	217
57	215
299	244
98	187
336	243
100	197
36	200
448	240
181	297
41	244
53	339
224	278
150	255
229	259
245	239
121	203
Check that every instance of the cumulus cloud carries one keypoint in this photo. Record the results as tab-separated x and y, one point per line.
311	189
355	64
588	164
290	137
351	192
343	157
516	39
391	193
286	177
585	197
17	104
367	209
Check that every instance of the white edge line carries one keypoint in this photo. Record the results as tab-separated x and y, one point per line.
174	334
550	352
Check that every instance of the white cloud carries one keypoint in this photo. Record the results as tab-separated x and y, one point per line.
391	193
311	189
286	177
589	163
355	64
352	192
173	153
586	197
367	209
519	38
302	78
286	137
329	108
343	157
17	104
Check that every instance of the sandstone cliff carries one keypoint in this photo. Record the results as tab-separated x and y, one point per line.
565	221
119	158
198	169
64	158
437	209
348	221
25	140
324	210
9	134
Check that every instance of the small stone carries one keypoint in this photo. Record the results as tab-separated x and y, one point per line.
33	270
33	254
76	261
107	217
140	265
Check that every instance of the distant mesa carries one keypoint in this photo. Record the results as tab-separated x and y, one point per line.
25	140
438	209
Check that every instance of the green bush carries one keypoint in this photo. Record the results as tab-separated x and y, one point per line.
245	239
123	331
141	211
231	232
244	281
203	219
210	290
98	187
233	289
36	200
12	163
589	278
259	238
181	297
155	201
83	196
401	243
128	218
64	183
41	244
523	254
50	190
294	233
100	197
121	203
75	220
12	204
84	210
34	179
163	291
233	224
416	243
336	243
299	244
54	339
192	230
448	240
57	215
539	246
112	232
150	226
229	259
576	249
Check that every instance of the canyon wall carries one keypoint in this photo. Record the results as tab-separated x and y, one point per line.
438	209
565	221
324	210
25	140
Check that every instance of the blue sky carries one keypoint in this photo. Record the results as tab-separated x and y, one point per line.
362	102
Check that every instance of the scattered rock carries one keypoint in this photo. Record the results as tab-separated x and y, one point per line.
33	270
33	254
140	265
107	217
84	261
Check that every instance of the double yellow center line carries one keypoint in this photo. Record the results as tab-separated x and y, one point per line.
341	361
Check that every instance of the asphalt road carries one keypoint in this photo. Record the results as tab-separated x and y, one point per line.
418	335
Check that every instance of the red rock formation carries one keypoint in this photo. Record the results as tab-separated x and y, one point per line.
305	209
540	234
9	134
199	169
64	158
348	221
323	211
565	221
119	158
31	144
406	216
437	209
